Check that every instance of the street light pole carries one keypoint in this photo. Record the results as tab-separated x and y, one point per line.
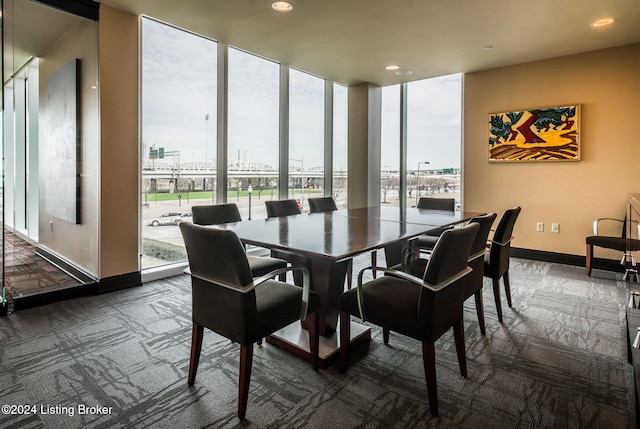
418	181
249	191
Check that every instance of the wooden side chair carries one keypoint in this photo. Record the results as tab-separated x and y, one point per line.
420	308
229	301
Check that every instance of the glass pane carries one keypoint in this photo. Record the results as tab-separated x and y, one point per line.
434	120
340	149
306	137
178	135
254	94
390	150
50	137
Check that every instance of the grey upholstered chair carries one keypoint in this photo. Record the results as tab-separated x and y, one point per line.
620	243
229	301
421	308
496	260
217	214
322	204
428	240
473	283
278	208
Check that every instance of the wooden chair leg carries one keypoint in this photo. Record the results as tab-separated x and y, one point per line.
496	295
314	338
385	336
345	337
429	361
374	262
350	274
458	335
246	360
507	288
480	311
196	346
589	258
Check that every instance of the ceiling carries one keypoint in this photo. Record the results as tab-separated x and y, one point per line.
352	41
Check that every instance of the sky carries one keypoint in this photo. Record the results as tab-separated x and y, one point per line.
180	111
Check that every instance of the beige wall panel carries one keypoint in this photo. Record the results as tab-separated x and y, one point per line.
606	85
119	202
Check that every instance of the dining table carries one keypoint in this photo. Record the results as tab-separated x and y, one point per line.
325	242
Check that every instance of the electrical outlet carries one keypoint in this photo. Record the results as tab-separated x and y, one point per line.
555	228
540	227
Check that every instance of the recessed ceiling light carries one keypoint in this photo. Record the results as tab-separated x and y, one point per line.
603	22
282	6
392	67
403	72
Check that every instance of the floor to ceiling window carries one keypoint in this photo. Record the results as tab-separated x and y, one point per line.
306	137
340	149
434	122
390	146
179	131
254	133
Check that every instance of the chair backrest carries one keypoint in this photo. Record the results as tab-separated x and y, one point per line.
217	254
448	204
222	292
322	204
476	256
215	214
439	310
499	254
282	208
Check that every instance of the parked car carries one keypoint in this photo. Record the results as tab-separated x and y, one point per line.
186	217
164	219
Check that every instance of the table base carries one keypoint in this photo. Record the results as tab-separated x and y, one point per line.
295	339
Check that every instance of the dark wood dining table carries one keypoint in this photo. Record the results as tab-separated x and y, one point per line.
325	242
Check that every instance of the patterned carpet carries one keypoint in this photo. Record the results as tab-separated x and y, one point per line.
558	361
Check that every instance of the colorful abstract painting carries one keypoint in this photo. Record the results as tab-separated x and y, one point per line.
549	134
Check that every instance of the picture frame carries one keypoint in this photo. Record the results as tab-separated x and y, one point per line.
546	134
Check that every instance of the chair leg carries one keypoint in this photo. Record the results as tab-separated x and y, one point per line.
350	274
507	288
480	311
345	337
496	295
374	262
196	346
385	336
246	360
429	361
314	338
589	258
458	335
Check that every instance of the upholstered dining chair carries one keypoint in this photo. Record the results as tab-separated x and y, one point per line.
322	204
496	260
278	208
473	283
229	301
216	214
618	242
420	308
428	240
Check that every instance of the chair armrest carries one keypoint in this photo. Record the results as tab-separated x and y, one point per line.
408	277
306	285
596	223
240	289
502	243
408	252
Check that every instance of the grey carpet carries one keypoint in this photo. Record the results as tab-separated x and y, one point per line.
558	361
